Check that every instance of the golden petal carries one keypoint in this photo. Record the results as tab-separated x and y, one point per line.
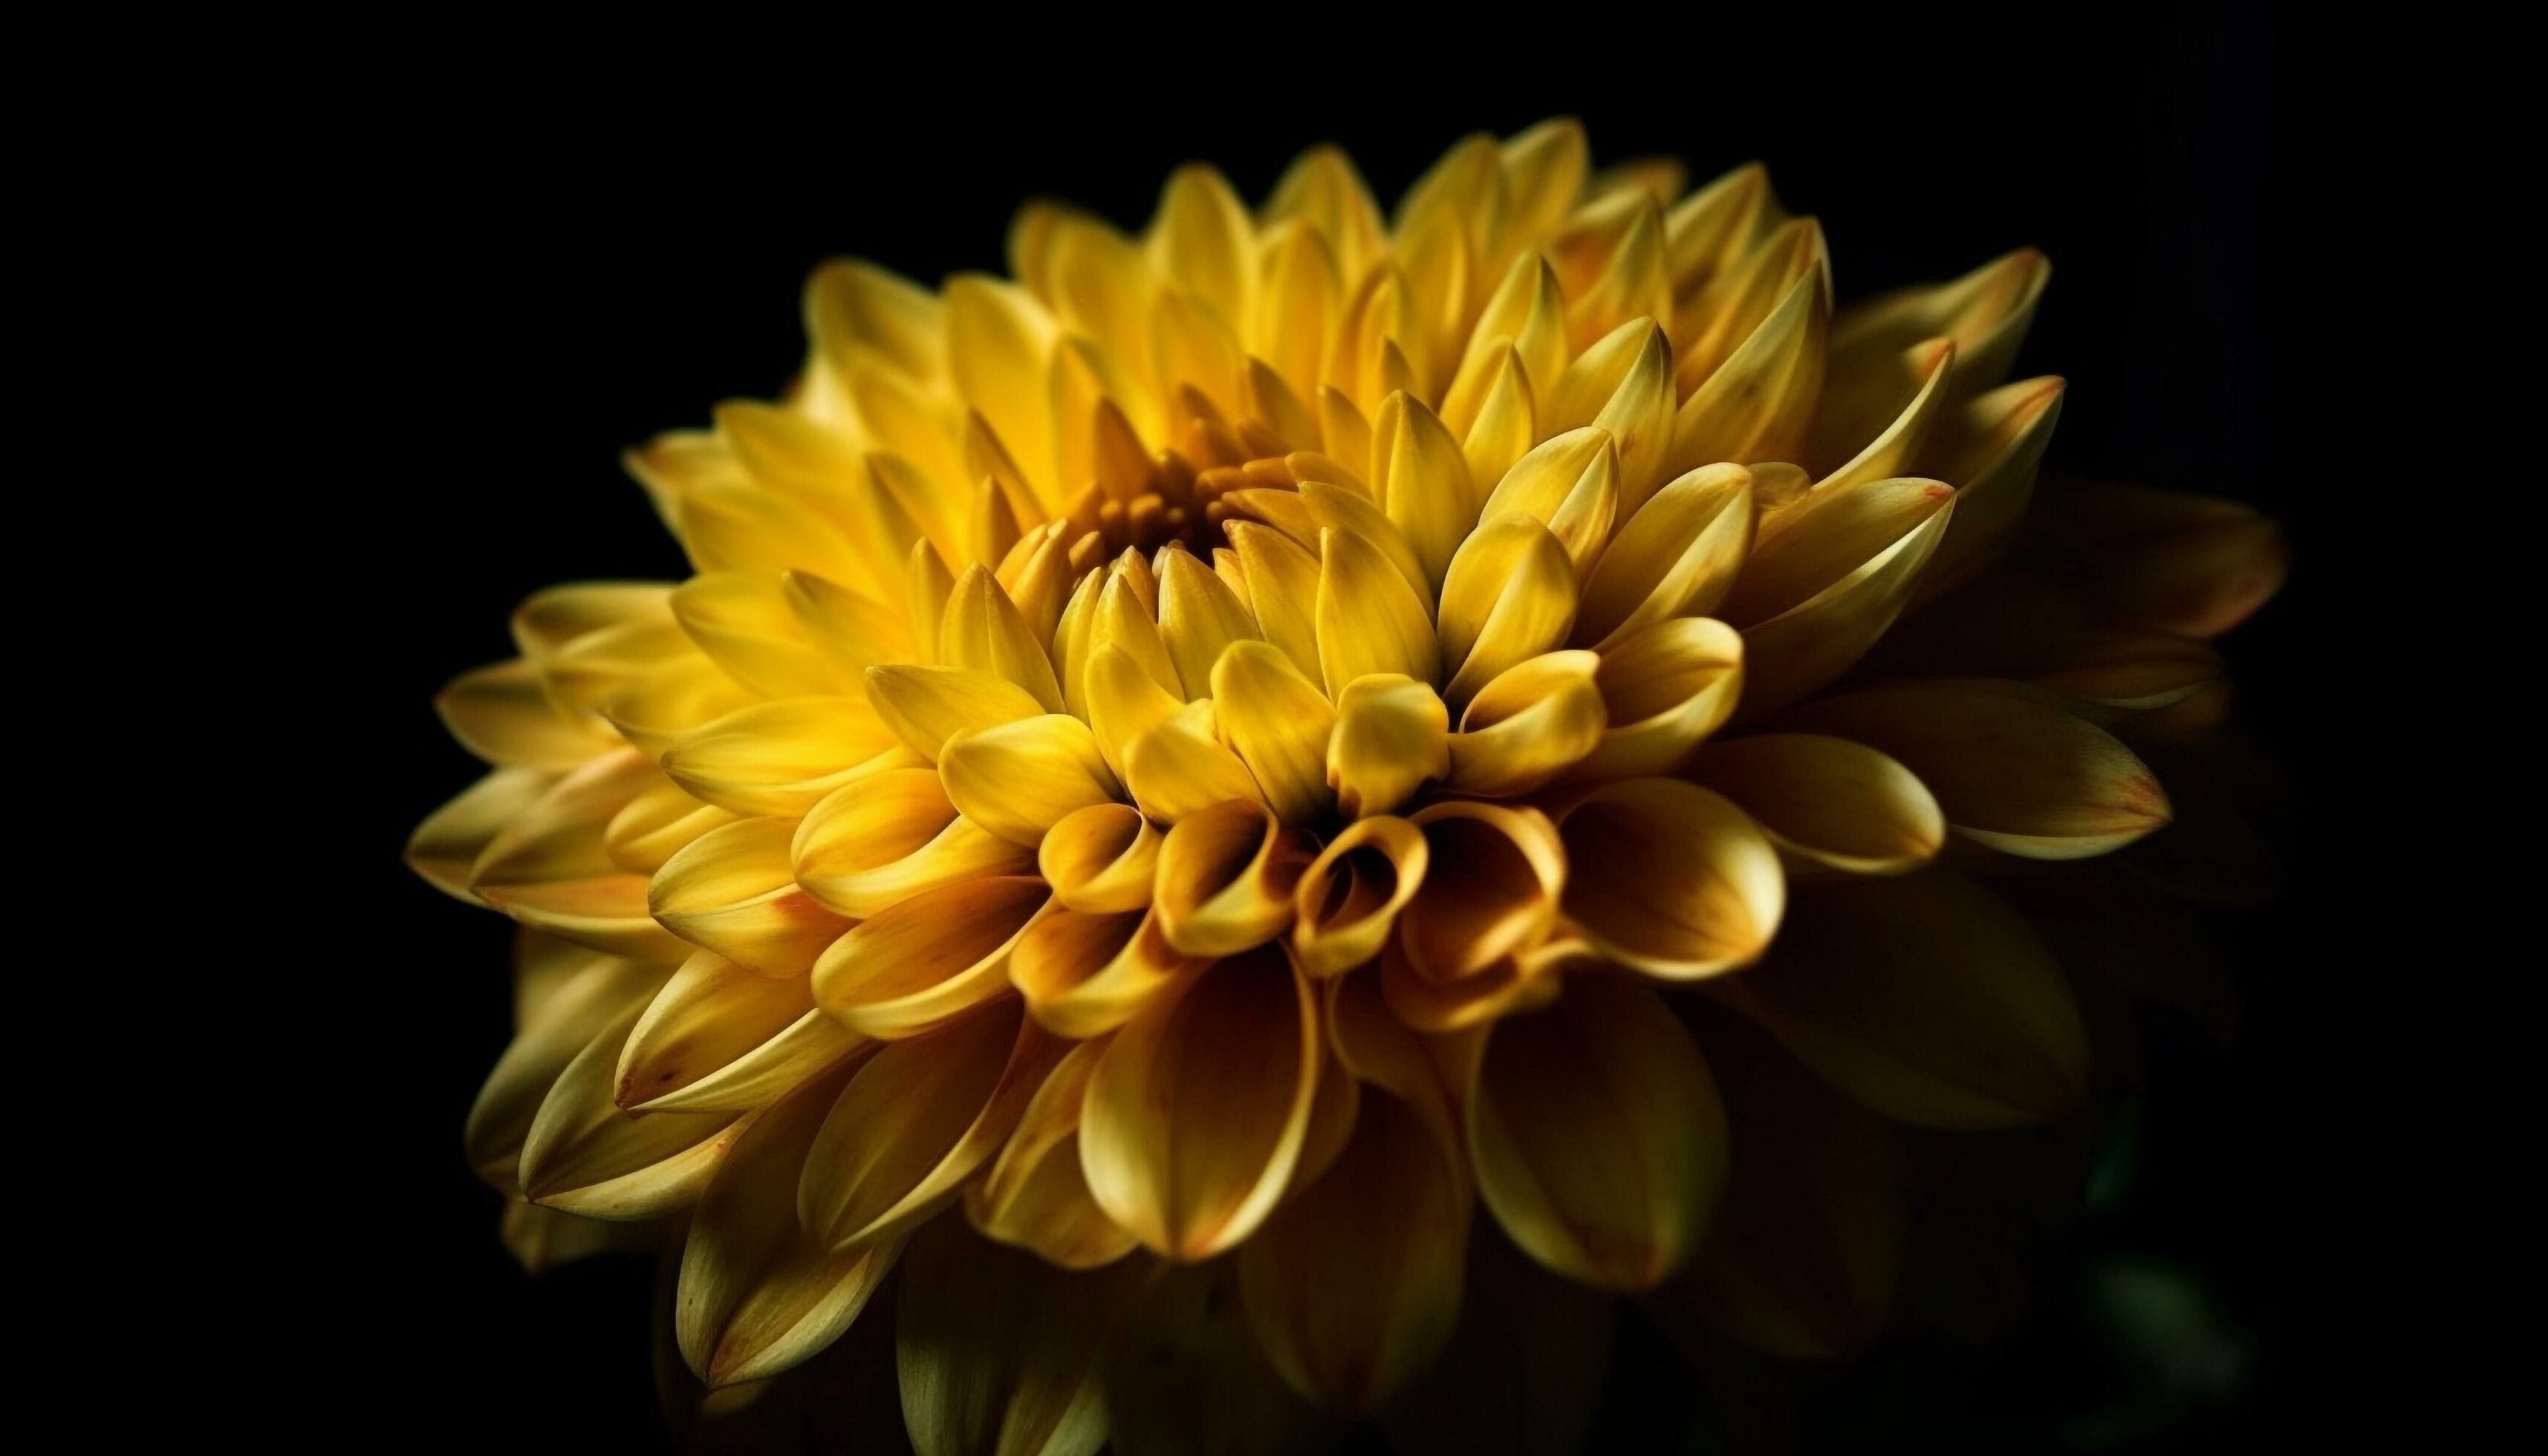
1490	890
652	827
2010	769
1925	998
1505	422
1712	227
1101	859
781	758
1544	171
592	993
451	838
1568	483
1985	313
1821	540
999	344
1528	725
1282	590
1623	385
1226	877
755	1295
1181	766
1199	617
879	842
1203	238
1200	1105
1391	737
1759	404
984	631
916	1121
1349	898
585	1157
1035	1196
1019	780
504	714
1420	479
913	968
1995	444
1509	596
743	528
1678	556
734	891
747	627
1664	689
1084	973
1515	983
1597	1134
1279	725
1369	620
1827	803
1805	647
927	706
1671	878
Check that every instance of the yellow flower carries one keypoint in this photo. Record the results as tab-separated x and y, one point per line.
1272	735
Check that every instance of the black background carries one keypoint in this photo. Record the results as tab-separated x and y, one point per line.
549	268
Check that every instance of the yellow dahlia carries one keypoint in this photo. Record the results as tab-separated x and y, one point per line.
1265	737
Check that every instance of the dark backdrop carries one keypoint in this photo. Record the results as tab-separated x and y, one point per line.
552	267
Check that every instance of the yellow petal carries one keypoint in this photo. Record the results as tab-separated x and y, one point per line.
1127	620
1019	780
1282	590
755	1295
1420	479
1827	802
1202	237
1569	484
738	527
1505	422
1544	170
550	867
709	1042
1355	1284
1121	701
652	827
593	992
1985	313
1491	887
1101	859
1347	512
917	1120
451	838
879	842
734	891
1664	688
1391	737
2013	772
1527	725
748	628
781	758
935	956
1716	224
854	303
1083	974
585	1157
1597	1134
1891	412
1279	725
1809	547
1369	620
1808	645
1226	878
1925	998
1670	878
1199	617
1180	767
984	631
1198	1108
1509	596
999	342
1997	443
541	1240
1759	404
927	706
502	714
654	711
1623	385
1035	1196
1678	556
1348	900
997	1351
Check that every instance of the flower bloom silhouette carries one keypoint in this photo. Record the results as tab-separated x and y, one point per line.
1322	741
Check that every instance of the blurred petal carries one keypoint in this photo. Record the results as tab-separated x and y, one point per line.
998	1350
1523	1373
590	993
502	714
781	758
1827	802
585	1157
451	838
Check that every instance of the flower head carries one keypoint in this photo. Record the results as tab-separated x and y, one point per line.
1276	733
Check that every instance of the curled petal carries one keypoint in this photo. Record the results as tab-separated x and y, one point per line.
1596	1133
877	843
1392	734
755	1295
1101	859
928	960
917	1120
1021	779
1670	878
1035	1196
1664	688
1828	803
1531	723
1226	878
1513	984
1348	900
1678	556
1279	723
734	891
1084	973
781	758
1493	874
1200	1105
1925	998
2010	769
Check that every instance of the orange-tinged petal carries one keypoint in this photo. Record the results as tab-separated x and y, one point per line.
734	891
1670	878
1084	973
1826	802
451	838
1493	874
712	1012
1664	689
